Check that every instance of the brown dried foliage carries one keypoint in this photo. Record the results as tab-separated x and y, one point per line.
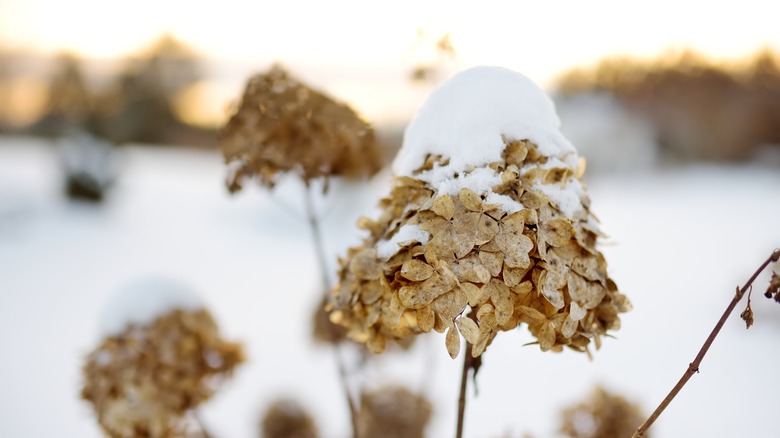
288	419
773	291
143	382
602	415
534	266
323	329
282	125
393	412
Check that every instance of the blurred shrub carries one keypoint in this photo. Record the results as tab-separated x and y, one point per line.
699	110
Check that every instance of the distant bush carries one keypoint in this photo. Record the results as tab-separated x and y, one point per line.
700	110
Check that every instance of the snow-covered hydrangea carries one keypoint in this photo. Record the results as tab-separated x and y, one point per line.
161	356
487	226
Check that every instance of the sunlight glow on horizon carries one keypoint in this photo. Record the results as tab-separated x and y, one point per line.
539	39
542	36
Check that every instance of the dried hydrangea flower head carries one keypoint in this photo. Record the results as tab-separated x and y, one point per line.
487	226
281	125
166	358
393	412
602	415
288	419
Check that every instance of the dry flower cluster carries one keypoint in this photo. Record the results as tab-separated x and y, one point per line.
537	265
143	382
603	415
288	419
773	291
393	412
281	125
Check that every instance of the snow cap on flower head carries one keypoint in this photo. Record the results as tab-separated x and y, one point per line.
487	226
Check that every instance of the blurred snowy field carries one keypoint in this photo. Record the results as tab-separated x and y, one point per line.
681	240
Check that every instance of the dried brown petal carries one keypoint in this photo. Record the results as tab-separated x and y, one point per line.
523	288
557	232
513	243
376	343
514	276
531	315
492	262
365	266
576	313
551	283
470	200
451	304
515	152
452	341
502	301
416	270
469	329
568	328
534	199
547	336
470	269
586	293
473	294
444	207
371	291
425	319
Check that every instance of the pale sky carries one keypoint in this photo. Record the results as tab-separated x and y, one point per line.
538	38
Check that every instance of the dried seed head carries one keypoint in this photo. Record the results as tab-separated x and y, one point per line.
288	419
281	125
393	412
523	250
602	415
143	381
774	287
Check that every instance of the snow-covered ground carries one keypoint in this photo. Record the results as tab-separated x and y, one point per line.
681	240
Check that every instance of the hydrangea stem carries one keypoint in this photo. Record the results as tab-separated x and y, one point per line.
319	249
693	367
464	380
319	246
203	430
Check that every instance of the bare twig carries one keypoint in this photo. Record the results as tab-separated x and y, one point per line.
693	367
316	234
464	380
319	249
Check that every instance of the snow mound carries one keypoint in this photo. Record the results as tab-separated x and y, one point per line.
466	121
466	118
142	301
